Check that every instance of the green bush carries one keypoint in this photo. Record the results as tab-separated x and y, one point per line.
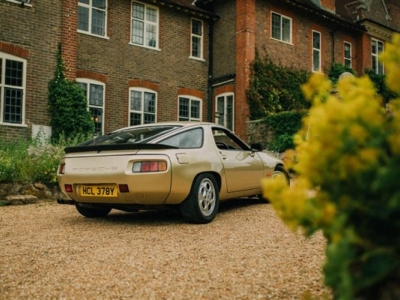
284	125
348	182
67	106
337	70
34	160
274	88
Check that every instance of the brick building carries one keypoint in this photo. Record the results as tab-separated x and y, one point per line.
143	61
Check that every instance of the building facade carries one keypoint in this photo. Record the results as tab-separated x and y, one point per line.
143	61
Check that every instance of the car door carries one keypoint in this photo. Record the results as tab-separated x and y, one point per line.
243	167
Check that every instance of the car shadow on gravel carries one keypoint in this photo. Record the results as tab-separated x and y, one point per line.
170	215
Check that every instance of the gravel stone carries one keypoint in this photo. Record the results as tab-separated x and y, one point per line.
49	251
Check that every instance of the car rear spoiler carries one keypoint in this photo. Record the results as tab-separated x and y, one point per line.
111	147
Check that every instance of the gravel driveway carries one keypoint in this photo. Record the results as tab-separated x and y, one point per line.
49	251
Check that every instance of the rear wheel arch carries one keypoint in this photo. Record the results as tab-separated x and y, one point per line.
202	203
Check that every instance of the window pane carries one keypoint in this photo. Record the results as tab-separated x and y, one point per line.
151	31
1	72
137	32
134	119
97	116
96	95
151	15
195	109
83	86
276	26
136	100
374	48
229	112
347	50
221	110
380	47
196	27
12	105
316	40
184	108
286	30
84	1
98	22
138	11
149	102
83	18
149	118
13	73
316	65
99	4
196	43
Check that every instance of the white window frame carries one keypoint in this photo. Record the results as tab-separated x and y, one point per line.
377	66
317	51
4	57
150	40
198	37
347	54
191	100
99	130
91	8
281	27
142	111
220	118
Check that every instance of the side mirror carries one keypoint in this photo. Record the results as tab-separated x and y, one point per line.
256	147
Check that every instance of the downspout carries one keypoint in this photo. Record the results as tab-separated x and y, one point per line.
210	68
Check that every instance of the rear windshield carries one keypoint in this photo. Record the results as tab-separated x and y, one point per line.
133	135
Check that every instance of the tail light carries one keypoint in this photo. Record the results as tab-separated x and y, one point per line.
149	166
68	188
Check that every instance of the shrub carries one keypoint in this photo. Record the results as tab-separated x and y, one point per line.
284	125
337	70
274	88
347	185
68	106
32	160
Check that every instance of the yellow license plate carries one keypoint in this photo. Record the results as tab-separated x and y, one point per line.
98	190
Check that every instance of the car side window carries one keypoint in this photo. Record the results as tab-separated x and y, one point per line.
186	140
224	142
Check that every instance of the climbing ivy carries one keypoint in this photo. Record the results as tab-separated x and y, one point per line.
274	88
67	106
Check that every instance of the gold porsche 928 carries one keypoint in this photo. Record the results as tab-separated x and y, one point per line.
190	165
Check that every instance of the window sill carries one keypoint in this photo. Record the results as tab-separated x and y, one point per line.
19	2
288	43
94	35
13	125
143	46
197	58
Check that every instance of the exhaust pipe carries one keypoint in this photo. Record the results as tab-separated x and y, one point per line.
66	201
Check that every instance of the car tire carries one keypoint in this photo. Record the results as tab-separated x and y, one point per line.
279	174
92	212
201	206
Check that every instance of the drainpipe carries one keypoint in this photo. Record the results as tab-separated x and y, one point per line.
210	68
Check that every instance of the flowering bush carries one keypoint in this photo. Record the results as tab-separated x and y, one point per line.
33	160
348	158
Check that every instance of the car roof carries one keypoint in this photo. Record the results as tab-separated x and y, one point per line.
173	123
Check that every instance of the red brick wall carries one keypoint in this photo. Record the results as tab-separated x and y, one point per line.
245	54
69	36
169	67
33	32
